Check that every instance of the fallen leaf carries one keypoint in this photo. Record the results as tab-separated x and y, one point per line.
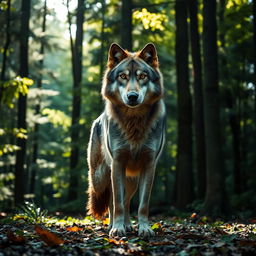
106	221
74	229
116	242
193	215
15	238
156	226
48	237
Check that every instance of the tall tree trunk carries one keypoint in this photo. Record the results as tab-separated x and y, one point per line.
102	35
233	95
76	103
198	100
184	160
7	41
37	108
126	24
22	103
215	192
254	63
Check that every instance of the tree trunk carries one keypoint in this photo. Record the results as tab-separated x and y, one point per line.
102	35
37	109
22	104
254	63
198	101
184	158
126	25
233	96
7	41
215	193
76	103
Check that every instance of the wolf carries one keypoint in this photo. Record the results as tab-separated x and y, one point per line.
126	139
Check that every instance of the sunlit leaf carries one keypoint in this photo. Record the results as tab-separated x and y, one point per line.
156	225
193	215
74	229
48	237
106	221
116	242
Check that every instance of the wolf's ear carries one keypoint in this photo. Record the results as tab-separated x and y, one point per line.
115	55
149	55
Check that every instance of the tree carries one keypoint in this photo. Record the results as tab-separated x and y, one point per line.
198	101
232	97
102	37
77	54
184	176
7	41
215	191
37	107
22	103
126	24
254	43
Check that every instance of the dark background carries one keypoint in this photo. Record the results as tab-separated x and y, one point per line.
208	58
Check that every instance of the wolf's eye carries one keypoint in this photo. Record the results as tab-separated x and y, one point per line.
123	76
142	76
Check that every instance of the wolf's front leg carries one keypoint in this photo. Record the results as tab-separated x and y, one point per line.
146	182
118	185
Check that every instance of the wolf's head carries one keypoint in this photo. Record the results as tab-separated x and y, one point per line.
132	79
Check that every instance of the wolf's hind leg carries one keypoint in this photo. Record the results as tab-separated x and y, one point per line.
99	176
131	186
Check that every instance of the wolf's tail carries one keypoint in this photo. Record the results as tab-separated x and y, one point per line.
98	203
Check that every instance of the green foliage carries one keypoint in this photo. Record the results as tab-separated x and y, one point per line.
152	21
6	188
18	133
57	118
3	5
13	88
31	213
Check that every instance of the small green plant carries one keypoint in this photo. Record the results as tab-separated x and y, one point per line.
31	213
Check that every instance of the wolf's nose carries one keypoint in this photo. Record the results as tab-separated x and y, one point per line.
132	96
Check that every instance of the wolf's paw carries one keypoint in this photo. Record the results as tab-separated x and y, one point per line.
145	230
117	230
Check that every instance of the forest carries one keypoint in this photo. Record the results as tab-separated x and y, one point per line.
53	56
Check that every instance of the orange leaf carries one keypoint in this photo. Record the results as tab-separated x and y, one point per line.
193	215
48	237
74	229
116	242
105	221
16	239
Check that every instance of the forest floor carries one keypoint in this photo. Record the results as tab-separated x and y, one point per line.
56	235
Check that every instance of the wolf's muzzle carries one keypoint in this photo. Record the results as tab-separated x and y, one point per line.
132	98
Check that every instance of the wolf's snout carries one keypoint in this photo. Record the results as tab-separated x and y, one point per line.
132	96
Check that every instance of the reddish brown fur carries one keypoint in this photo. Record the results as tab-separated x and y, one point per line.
98	203
136	127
